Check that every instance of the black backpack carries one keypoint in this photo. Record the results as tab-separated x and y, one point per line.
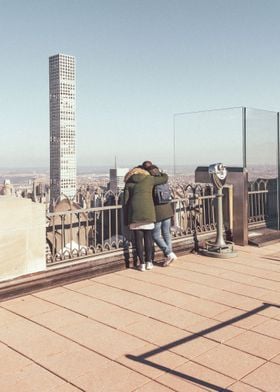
162	194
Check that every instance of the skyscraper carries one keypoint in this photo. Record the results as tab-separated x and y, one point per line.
117	179
62	89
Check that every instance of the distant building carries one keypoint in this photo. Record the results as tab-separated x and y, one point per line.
117	179
62	89
7	189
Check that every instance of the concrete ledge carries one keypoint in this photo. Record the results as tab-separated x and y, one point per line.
89	267
58	276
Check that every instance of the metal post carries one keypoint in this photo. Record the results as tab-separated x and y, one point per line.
219	238
174	147
278	174
244	134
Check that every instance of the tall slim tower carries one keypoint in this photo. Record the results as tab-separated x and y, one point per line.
62	86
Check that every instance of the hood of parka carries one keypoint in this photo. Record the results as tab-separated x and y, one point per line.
136	175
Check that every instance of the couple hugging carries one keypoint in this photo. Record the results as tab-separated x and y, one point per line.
148	212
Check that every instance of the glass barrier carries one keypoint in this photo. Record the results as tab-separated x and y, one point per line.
261	144
262	164
207	137
241	137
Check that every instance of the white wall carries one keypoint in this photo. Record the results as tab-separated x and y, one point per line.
22	237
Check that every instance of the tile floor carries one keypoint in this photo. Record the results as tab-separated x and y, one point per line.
200	324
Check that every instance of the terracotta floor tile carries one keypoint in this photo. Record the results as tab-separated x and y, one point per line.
149	307
152	386
241	387
267	377
229	361
104	340
246	323
193	346
152	365
81	303
245	289
136	283
172	297
51	293
223	284
120	318
179	384
181	318
8	318
66	387
32	378
29	306
272	297
11	361
238	277
266	283
187	302
256	344
215	330
276	359
192	375
58	319
79	285
111	294
34	341
269	328
96	309
226	298
71	365
172	302
249	304
112	378
155	331
161	283
198	267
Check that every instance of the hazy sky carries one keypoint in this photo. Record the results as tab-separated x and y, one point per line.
138	63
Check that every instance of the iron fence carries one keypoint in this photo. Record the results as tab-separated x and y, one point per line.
262	203
82	232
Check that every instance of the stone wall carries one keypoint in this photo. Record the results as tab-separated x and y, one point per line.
22	237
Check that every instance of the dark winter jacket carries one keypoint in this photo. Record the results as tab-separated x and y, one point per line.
138	196
163	211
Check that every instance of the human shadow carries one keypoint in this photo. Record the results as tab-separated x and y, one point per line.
143	358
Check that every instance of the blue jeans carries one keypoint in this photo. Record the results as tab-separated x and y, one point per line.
162	236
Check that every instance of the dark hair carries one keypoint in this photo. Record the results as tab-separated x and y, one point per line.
147	164
153	170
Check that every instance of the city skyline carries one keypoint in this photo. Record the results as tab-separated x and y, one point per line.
139	63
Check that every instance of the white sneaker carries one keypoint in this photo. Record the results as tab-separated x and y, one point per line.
141	267
171	257
149	265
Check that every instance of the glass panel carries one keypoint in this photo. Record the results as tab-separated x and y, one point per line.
203	138
262	165
261	141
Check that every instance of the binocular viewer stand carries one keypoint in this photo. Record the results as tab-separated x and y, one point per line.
218	248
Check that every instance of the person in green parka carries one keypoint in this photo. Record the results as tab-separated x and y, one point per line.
140	211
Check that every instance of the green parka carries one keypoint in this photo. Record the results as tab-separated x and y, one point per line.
163	211
138	196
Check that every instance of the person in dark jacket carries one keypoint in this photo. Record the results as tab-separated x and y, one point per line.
140	213
162	231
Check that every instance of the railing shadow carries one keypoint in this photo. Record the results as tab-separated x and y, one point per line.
144	357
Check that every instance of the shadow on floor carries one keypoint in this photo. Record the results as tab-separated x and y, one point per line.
144	357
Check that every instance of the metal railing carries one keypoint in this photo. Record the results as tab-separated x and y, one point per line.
263	204
82	232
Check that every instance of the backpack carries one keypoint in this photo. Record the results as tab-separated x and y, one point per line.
162	194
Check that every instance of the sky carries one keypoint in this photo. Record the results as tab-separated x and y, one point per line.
139	64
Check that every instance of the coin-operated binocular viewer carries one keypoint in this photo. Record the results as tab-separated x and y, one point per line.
219	248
